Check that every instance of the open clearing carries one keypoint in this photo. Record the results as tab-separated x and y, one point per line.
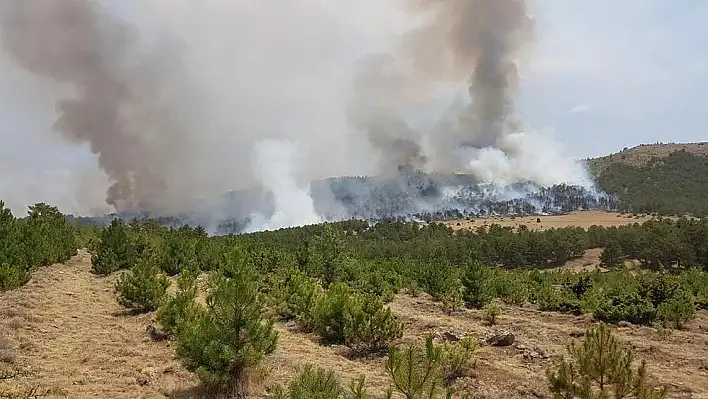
583	219
65	330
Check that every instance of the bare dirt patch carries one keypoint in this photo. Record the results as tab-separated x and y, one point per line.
74	341
584	219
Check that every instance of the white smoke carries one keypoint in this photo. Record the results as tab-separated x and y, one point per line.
274	168
527	156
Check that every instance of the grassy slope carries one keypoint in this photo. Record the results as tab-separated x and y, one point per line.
643	154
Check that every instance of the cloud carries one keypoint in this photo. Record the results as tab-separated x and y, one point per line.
580	109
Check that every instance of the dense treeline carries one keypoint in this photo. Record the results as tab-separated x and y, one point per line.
681	243
41	238
676	184
474	266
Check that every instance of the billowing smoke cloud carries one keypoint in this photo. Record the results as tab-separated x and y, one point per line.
484	37
183	100
293	204
478	41
115	106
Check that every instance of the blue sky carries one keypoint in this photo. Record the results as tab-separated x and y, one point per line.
613	74
602	74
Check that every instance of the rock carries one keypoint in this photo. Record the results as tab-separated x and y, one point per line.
624	324
577	334
501	338
155	334
448	336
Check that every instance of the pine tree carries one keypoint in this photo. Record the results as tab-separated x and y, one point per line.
115	251
142	288
611	255
369	326
416	372
601	368
475	282
223	341
176	309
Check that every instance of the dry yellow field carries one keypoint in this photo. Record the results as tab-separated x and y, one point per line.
583	219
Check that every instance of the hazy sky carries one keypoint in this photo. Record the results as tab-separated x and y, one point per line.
602	75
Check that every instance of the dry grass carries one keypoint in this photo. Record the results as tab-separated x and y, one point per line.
583	219
78	343
643	154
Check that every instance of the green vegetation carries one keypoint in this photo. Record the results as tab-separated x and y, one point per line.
335	279
41	238
601	368
142	288
224	340
675	184
341	298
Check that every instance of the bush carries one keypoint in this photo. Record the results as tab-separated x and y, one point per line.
677	310
177	252
297	297
11	277
330	312
232	334
549	298
491	312
174	310
475	282
459	358
142	288
452	302
438	279
369	325
42	238
414	371
611	256
601	368
628	307
657	287
115	250
312	383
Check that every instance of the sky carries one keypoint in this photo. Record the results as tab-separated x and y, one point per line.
601	76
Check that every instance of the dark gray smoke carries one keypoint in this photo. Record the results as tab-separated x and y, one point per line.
116	106
481	37
478	41
378	94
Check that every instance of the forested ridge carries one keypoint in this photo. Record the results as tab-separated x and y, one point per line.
675	184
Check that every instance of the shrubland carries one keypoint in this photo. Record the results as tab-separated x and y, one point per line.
335	280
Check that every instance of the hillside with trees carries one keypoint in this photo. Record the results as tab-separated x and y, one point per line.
647	181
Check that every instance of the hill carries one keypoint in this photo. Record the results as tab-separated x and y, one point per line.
645	154
657	178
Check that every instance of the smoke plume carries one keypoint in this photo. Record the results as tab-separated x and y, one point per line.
177	97
274	167
478	41
115	106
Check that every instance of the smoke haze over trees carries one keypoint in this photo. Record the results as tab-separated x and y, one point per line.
177	100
